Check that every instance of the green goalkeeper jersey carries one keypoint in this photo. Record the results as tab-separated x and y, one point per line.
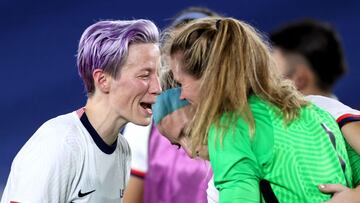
294	158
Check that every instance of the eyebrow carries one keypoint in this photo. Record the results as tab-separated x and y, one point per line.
147	69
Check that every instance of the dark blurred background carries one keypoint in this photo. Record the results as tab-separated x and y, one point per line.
38	43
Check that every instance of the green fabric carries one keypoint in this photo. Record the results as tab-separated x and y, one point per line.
295	159
354	158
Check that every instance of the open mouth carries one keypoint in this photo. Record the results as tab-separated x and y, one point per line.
146	106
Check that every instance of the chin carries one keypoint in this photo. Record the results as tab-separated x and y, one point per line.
142	121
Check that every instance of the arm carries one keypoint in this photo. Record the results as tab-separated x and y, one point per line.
351	132
351	135
134	192
349	121
340	192
236	172
138	139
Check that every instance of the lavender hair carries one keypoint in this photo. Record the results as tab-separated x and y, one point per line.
104	45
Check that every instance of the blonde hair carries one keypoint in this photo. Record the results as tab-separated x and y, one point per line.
232	61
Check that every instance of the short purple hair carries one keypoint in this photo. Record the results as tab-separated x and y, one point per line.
105	45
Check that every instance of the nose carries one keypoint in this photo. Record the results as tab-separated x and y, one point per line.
155	86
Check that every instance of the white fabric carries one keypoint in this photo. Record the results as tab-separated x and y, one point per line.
333	106
60	160
212	192
138	139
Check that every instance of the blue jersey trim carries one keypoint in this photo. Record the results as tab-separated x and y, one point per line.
107	149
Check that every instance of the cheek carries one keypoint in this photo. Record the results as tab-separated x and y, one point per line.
166	128
169	133
142	86
280	63
190	93
281	70
134	86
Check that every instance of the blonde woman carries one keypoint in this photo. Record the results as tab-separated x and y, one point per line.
265	141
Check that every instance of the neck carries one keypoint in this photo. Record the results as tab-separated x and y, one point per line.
104	121
317	91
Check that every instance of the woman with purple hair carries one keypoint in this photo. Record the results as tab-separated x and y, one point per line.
79	156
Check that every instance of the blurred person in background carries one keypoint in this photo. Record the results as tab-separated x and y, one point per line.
309	52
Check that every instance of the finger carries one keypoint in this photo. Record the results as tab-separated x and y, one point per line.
331	188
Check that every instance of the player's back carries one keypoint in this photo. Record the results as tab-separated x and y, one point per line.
305	153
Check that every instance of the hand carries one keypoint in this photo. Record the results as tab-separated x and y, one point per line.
341	193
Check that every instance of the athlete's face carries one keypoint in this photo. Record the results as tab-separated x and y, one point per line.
137	86
190	86
173	127
175	123
282	64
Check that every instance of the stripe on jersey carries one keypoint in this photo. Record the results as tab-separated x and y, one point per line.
347	118
107	149
137	173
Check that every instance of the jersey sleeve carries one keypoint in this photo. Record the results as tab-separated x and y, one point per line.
138	139
42	171
236	172
342	113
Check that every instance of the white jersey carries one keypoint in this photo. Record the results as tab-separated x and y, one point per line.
138	139
67	161
342	113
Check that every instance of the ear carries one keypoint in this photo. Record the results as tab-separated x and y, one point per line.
101	80
301	77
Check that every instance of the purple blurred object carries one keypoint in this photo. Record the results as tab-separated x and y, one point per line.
177	178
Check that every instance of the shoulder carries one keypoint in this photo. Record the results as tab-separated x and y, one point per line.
263	114
333	106
56	138
262	109
60	124
52	152
341	112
